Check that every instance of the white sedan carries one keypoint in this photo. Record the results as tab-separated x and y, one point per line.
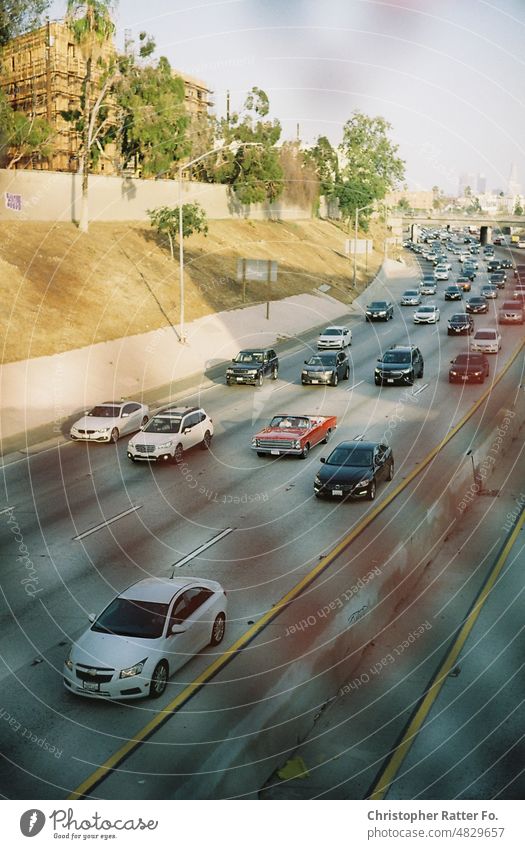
427	314
110	420
143	636
487	340
337	336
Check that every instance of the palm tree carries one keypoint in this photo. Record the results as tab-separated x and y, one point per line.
92	26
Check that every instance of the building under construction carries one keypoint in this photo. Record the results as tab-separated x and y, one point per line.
42	75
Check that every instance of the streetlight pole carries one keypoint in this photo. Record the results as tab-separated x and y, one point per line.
181	224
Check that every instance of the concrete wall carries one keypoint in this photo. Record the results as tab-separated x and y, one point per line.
52	196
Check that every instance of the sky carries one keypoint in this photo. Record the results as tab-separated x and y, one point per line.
447	74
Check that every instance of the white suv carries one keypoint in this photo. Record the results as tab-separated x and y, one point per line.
171	432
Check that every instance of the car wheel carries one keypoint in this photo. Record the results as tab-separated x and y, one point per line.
228	382
144	421
114	435
132	458
260	379
327	437
306	450
218	630
347	373
159	680
372	490
449	332
411	379
377	381
335	379
275	372
261	454
206	442
390	471
177	456
421	373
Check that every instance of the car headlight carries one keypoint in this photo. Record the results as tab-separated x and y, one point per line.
229	371
382	312
136	669
453	373
68	663
297	443
252	372
304	373
406	371
377	371
478	373
165	445
103	429
363	482
317	481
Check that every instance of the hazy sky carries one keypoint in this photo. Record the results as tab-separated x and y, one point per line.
449	75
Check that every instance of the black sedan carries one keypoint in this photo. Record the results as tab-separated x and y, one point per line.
379	311
493	265
498	278
460	323
326	367
505	263
453	293
469	271
468	366
354	469
477	304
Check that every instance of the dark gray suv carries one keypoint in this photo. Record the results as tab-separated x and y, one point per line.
399	364
252	366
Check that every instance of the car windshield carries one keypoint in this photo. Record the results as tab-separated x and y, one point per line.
320	360
396	357
354	456
511	305
485	334
132	618
426	309
163	424
289	421
411	293
331	331
477	301
459	318
104	411
465	359
249	357
377	305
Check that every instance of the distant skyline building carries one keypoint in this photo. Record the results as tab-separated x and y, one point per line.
464	181
481	184
514	185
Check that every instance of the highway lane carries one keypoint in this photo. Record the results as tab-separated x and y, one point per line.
76	489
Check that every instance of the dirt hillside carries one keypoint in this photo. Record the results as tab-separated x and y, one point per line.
64	290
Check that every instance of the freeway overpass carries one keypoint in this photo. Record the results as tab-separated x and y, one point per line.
514	222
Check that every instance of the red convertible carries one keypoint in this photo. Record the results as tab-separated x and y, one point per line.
293	435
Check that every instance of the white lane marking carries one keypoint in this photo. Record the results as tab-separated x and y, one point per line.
201	548
7	510
355	385
35	454
107	522
421	389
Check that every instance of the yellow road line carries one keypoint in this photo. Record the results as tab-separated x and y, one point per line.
397	757
190	690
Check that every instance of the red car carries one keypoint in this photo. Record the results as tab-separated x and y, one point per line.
293	434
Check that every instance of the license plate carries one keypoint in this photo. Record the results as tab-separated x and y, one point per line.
275	451
337	492
238	379
464	377
92	686
390	380
315	381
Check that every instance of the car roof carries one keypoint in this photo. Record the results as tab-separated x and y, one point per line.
485	330
354	443
114	403
176	411
336	327
156	589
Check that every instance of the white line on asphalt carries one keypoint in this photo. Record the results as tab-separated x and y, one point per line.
354	386
421	389
201	548
7	510
107	522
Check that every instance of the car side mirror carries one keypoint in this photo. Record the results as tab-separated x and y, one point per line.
125	415
322	460
306	362
233	359
379	359
177	628
92	617
187	430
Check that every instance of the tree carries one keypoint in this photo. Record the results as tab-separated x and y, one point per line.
324	159
372	166
153	117
92	28
19	16
301	185
518	209
403	204
249	161
166	221
21	136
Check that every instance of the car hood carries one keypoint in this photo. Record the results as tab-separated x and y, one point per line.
245	366
282	432
326	367
463	368
394	366
95	423
107	650
458	323
376	309
323	338
344	474
143	438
